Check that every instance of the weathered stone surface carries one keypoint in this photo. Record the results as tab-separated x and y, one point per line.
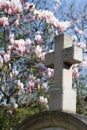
49	60
62	96
53	128
62	100
72	55
56	119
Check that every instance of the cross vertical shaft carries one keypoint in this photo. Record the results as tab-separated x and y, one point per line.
61	42
62	97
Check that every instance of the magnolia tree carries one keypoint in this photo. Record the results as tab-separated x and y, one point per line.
76	13
26	33
24	40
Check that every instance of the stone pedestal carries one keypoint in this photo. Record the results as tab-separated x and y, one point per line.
62	100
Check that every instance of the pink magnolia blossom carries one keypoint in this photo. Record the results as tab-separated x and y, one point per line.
55	8
75	71
42	56
6	57
31	78
84	62
18	46
58	1
4	21
43	100
5	4
16	6
15	72
31	83
10	111
16	23
45	87
28	46
50	73
15	105
82	45
41	67
39	39
74	38
11	37
20	85
28	42
78	30
11	7
51	19
62	26
38	51
11	75
9	11
31	86
37	81
9	66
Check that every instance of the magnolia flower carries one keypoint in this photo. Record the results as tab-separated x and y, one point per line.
14	72
62	26
4	21
11	37
50	73
74	38
58	1
43	100
6	57
16	23
39	39
38	51
30	85
19	46
51	19
11	76
15	105
20	85
42	56
16	6
45	86
78	30
9	111
9	11
84	62
75	71
82	45
37	81
31	78
28	42
41	67
11	7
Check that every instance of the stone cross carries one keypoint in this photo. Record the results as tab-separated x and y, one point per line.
62	96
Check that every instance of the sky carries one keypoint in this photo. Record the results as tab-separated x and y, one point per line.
66	3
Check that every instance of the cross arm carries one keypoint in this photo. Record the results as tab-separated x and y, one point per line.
49	60
72	55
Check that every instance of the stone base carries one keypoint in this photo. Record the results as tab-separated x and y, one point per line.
53	121
62	100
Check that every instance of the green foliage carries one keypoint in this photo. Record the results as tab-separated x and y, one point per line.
81	93
8	121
